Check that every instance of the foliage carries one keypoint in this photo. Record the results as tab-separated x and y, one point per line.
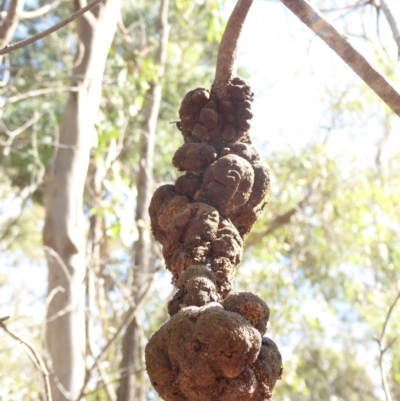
329	269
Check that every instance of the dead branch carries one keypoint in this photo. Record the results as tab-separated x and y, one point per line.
56	27
340	45
34	356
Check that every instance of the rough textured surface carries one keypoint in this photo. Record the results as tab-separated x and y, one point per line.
251	307
212	348
207	353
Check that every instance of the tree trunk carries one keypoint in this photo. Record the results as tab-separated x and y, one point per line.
9	23
64	230
131	386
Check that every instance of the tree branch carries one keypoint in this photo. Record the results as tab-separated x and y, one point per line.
279	221
339	44
9	24
391	10
383	349
228	47
38	92
34	356
56	27
40	11
131	314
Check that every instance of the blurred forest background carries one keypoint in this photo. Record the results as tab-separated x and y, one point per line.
87	134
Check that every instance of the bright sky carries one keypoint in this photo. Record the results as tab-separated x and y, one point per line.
292	70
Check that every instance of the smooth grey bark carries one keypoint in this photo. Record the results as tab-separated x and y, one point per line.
64	229
131	385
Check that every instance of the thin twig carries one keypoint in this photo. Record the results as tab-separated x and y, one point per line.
340	45
128	319
388	315
38	92
281	219
56	27
391	10
383	349
34	356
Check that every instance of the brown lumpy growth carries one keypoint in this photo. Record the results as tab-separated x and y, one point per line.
163	206
251	307
195	233
199	235
212	348
197	286
201	351
189	236
205	117
188	184
194	156
189	111
207	353
268	367
240	90
227	184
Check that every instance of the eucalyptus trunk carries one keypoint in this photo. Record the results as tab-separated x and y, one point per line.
132	381
64	230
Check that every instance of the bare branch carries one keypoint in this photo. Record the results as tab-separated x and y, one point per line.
38	92
13	134
40	11
56	27
279	221
228	47
128	319
388	315
383	349
9	24
339	43
34	356
391	10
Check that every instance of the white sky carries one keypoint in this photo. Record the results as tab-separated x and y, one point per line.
292	70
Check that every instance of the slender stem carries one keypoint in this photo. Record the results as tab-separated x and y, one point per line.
339	44
228	47
391	9
56	27
34	356
383	349
132	313
388	315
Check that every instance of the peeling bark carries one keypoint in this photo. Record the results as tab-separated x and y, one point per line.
64	230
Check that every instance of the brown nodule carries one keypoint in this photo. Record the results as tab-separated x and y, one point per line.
212	347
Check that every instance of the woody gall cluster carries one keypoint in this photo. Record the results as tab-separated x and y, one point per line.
212	348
